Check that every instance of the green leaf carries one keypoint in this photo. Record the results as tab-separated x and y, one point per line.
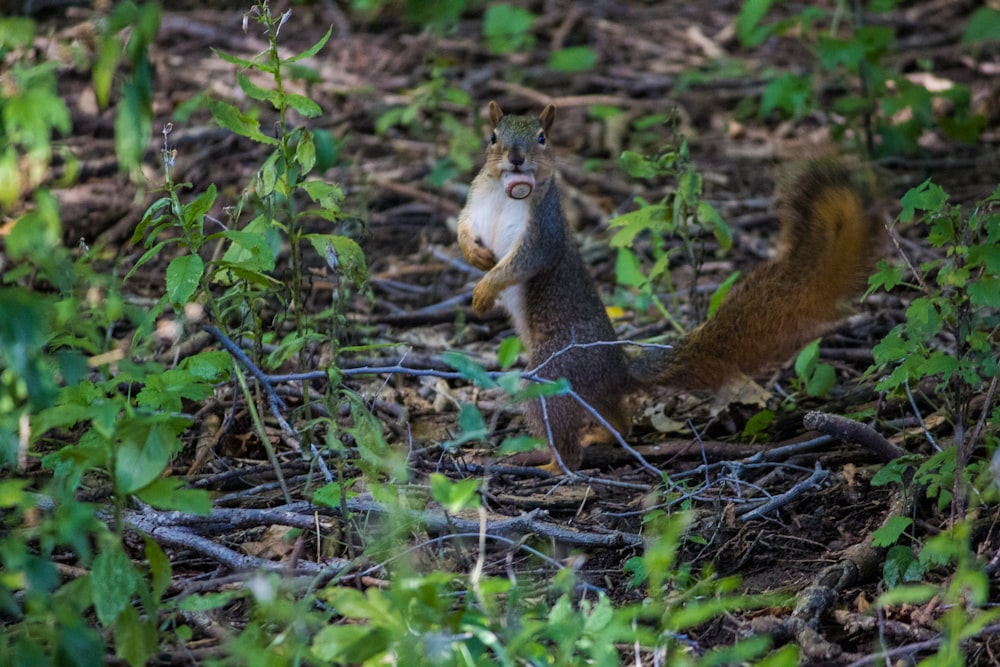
637	165
210	601
455	496
902	567
305	152
469	369
253	91
822	380
331	495
472	426
159	568
312	50
231	118
183	277
508	350
303	105
16	32
133	125
748	22
135	637
341	254
506	28
628	270
633	223
167	493
520	443
349	644
113	582
925	197
983	26
719	295
889	534
147	443
707	214
573	59
985	292
249	249
235	60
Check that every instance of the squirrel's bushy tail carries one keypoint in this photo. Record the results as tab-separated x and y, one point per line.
829	246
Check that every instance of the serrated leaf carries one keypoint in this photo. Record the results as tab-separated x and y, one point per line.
249	249
303	105
890	533
255	92
231	118
305	153
343	255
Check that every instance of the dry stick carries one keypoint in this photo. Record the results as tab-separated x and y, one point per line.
977	433
854	431
814	480
909	649
267	381
179	537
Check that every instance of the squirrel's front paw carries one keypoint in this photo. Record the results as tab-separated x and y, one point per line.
482	257
483	299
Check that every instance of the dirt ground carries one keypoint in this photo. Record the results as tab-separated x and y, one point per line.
646	53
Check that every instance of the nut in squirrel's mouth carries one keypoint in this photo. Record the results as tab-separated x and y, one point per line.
518	184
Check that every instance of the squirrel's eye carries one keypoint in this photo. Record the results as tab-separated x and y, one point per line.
541	138
493	138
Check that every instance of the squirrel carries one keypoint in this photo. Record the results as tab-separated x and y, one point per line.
513	228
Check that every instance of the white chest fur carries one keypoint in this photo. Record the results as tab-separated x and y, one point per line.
497	221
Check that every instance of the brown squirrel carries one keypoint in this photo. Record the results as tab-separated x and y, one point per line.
513	228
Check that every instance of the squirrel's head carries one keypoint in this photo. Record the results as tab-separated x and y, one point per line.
518	151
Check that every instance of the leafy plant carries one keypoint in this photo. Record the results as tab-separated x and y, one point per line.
428	114
948	329
681	214
854	60
507	28
127	33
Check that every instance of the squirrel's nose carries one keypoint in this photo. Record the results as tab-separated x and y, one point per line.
516	159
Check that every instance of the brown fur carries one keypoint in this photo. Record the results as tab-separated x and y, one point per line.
827	250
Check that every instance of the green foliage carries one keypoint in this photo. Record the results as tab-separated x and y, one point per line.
814	376
507	28
856	60
126	35
284	198
428	115
960	300
31	112
438	619
572	59
965	595
682	214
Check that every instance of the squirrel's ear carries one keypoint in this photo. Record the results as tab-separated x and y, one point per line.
496	113
547	116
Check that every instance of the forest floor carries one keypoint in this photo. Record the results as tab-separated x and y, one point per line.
677	59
